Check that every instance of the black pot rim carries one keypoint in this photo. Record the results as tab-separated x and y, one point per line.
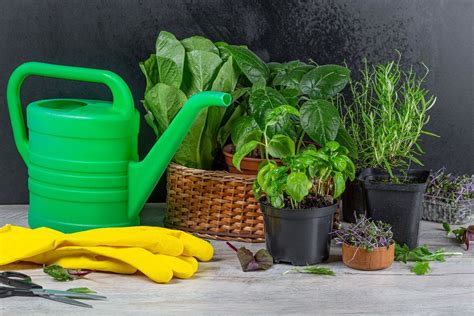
312	212
367	176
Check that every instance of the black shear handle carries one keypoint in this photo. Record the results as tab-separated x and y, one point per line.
17	280
11	291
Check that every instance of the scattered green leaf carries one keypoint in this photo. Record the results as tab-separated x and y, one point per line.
313	270
58	273
421	267
81	290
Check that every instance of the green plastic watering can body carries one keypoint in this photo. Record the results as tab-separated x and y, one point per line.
82	156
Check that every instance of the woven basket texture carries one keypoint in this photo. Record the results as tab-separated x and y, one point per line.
213	204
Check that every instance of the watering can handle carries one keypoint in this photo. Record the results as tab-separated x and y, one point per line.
122	97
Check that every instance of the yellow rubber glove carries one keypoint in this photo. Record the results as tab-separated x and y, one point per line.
120	250
17	242
193	246
159	268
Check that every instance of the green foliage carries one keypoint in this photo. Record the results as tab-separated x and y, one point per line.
249	63
421	268
179	69
421	256
320	120
458	233
58	273
295	101
313	270
321	173
386	116
324	82
81	290
170	55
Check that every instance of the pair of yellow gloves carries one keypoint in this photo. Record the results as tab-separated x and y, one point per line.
159	253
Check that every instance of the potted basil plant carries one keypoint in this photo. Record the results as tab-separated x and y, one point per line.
367	244
386	119
297	198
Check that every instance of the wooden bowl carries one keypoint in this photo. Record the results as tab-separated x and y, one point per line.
361	259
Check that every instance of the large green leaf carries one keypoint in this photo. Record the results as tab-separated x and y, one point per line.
291	96
245	130
150	120
292	73
201	68
199	43
226	129
339	163
339	184
324	82
249	63
227	77
279	113
149	68
320	120
170	55
189	153
225	81
347	141
281	146
263	101
164	101
243	151
298	185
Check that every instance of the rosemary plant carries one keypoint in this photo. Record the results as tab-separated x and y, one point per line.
387	115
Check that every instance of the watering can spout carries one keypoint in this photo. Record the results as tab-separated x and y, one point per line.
144	175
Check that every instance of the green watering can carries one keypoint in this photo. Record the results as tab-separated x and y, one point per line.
82	155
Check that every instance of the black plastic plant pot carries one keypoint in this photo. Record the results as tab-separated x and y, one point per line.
398	204
352	201
299	237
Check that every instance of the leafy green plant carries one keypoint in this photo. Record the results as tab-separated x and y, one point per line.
387	114
308	88
323	172
179	69
421	256
365	233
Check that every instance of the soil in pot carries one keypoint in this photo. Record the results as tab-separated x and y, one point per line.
248	165
298	236
398	204
362	259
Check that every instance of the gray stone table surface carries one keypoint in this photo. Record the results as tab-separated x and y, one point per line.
221	288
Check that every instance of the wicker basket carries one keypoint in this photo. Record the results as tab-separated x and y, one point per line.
437	210
213	204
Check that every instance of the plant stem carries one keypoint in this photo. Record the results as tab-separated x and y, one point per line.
231	246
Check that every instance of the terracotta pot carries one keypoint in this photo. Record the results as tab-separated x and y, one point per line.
247	165
361	259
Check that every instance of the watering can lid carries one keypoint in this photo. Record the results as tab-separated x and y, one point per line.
80	118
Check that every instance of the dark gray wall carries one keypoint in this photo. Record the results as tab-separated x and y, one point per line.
116	34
